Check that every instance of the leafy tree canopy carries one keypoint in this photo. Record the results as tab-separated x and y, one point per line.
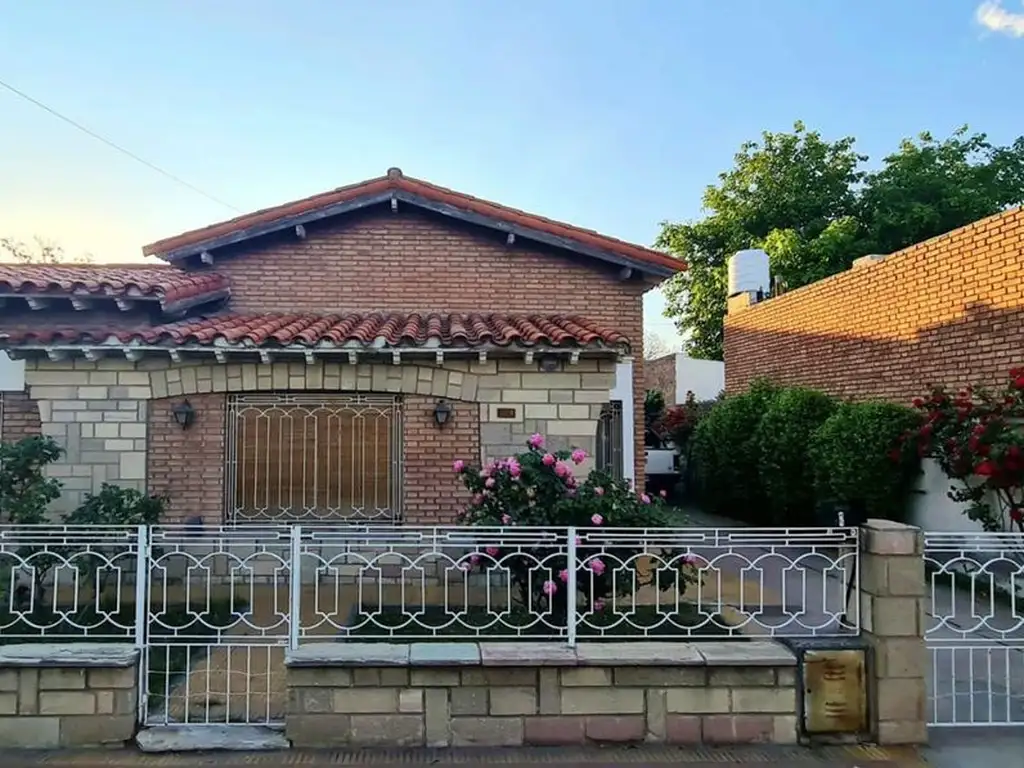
814	208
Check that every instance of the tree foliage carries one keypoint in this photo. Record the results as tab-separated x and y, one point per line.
40	252
813	207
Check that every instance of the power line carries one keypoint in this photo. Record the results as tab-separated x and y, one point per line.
114	146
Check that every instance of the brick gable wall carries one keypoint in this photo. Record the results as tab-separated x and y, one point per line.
946	311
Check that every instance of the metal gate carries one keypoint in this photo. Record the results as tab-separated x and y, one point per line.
309	458
975	630
219	618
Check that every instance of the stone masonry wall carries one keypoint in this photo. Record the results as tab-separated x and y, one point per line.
113	419
82	695
512	694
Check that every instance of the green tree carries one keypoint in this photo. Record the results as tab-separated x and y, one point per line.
812	206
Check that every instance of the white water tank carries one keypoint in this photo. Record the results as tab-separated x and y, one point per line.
749	272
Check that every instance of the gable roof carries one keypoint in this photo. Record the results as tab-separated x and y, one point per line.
173	289
398	188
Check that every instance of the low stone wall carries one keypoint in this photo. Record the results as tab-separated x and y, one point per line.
512	694
74	695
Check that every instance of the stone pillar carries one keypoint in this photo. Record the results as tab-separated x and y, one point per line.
892	613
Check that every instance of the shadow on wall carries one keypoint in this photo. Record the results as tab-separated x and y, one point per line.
978	348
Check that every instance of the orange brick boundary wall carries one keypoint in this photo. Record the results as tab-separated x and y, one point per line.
946	311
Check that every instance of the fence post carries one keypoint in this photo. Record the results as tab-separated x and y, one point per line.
892	618
295	587
570	586
142	618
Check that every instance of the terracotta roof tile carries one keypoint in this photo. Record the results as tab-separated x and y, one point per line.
396	181
389	330
168	285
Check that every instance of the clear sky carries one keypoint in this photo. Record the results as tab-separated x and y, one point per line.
610	114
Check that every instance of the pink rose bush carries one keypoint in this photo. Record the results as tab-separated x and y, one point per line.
539	489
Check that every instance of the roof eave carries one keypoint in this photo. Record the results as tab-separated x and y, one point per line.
212	244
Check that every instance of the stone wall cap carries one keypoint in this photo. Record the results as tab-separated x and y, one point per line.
639	654
513	654
753	653
444	654
888	525
68	654
349	654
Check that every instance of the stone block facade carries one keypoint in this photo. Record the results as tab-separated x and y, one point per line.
75	695
112	418
536	694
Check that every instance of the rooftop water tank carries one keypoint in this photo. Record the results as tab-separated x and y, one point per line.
749	272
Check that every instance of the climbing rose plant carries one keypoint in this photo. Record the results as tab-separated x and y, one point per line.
538	489
977	437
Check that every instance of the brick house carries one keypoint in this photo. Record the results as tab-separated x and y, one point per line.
298	362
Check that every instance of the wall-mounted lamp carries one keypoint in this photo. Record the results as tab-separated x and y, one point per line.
548	363
184	414
443	412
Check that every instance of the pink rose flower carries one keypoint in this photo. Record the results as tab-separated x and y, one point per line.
645	498
579	456
564	575
599	491
663	494
578	541
489	483
478	499
596	519
458	466
597	567
464	565
562	469
492	551
514	468
598	605
547	460
550	588
506	519
474	559
536	440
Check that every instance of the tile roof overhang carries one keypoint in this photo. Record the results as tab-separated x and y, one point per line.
351	336
84	286
397	189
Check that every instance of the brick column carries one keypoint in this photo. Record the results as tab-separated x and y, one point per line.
892	603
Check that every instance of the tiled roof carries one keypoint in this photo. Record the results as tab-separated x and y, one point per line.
395	181
168	285
387	330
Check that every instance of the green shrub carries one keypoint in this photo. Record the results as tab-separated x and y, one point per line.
726	457
782	438
856	458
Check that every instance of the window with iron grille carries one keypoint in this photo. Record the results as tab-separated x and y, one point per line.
609	439
310	457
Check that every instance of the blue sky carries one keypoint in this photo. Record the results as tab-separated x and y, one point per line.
608	114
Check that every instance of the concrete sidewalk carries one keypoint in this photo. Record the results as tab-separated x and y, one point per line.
642	755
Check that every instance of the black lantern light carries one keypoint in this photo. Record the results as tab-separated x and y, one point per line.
184	414
443	412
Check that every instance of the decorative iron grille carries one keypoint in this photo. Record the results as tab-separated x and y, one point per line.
303	457
608	455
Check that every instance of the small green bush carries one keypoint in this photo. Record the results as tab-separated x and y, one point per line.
782	438
725	454
856	458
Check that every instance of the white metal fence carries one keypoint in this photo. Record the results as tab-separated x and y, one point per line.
975	632
214	610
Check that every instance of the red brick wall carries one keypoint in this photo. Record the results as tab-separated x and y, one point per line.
660	374
20	417
415	261
432	493
187	465
946	311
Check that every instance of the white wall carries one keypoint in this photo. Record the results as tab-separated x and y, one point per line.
933	511
705	378
12	374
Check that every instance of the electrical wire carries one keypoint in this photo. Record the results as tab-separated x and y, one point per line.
115	146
